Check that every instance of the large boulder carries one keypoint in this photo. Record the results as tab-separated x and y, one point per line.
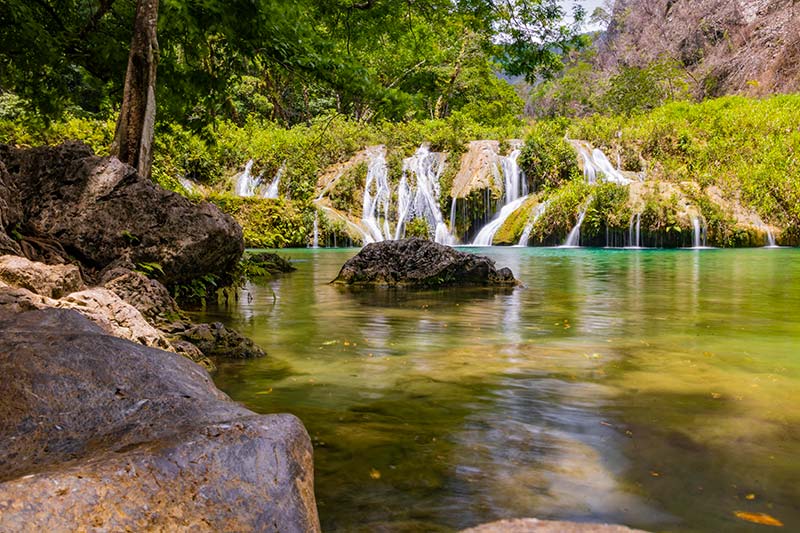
103	213
101	434
420	263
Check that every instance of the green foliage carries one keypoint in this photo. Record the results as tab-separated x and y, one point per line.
548	160
197	290
151	270
637	89
608	209
267	223
561	214
747	148
418	227
346	195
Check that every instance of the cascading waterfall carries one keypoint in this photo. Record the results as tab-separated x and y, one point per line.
453	216
537	212
273	191
698	232
245	183
422	200
771	243
515	192
377	195
486	235
515	183
597	167
574	237
635	231
315	242
187	184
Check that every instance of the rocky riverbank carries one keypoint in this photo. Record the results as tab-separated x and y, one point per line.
105	421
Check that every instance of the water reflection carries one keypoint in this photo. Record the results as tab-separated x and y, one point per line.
652	388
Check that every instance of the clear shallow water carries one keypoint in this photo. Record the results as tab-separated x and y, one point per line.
657	389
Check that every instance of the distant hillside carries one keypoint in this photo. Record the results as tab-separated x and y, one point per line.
747	47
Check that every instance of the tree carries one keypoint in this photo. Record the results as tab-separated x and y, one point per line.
133	141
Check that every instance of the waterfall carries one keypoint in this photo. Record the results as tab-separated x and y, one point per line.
486	235
537	212
515	192
771	243
377	195
315	242
422	200
514	179
635	231
597	167
453	217
187	184
272	190
699	233
574	237
245	182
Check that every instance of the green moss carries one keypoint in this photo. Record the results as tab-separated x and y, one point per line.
511	230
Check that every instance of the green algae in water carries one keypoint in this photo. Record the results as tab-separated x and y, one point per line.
657	389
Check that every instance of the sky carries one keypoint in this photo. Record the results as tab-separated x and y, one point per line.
588	5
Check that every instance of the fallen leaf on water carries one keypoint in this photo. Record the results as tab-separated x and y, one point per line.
268	391
758	518
655	474
750	497
716	395
328	343
374	474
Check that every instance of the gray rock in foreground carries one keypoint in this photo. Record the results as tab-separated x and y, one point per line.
532	525
421	263
98	433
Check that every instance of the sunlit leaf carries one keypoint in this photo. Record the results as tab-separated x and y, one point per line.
758	518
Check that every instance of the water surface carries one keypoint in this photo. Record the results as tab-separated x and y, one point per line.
657	389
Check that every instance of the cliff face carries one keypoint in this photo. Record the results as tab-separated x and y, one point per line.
727	46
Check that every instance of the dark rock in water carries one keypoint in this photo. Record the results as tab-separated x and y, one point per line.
272	263
102	213
97	433
421	263
215	340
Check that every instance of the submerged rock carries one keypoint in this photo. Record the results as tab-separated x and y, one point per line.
102	212
532	525
98	433
215	340
421	263
272	263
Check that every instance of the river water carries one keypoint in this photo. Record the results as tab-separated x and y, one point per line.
656	389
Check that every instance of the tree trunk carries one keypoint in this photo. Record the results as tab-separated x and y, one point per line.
133	140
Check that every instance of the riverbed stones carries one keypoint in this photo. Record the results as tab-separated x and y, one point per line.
101	434
102	212
421	263
532	525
